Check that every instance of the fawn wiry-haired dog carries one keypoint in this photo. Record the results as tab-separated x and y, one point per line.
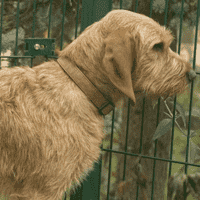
51	122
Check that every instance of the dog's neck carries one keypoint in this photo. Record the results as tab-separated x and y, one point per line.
88	88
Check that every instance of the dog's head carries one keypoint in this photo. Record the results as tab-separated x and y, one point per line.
138	57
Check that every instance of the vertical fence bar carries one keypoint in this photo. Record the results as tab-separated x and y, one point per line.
92	10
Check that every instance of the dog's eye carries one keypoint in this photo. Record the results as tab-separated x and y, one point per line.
158	47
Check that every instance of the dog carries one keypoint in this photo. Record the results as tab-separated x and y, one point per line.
51	123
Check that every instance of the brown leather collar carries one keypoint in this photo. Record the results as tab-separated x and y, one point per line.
96	97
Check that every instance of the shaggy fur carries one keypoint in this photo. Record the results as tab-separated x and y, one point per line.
49	131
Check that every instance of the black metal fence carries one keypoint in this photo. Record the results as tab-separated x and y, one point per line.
132	166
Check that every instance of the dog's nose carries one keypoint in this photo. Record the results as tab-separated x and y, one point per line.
191	75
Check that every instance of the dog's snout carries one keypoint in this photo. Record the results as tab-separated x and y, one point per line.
191	75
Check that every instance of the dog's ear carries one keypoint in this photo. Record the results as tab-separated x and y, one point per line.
118	61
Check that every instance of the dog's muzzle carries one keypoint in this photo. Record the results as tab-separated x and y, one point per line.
191	75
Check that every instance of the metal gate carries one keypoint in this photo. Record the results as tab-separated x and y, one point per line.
132	165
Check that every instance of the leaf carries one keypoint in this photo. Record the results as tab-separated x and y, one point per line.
177	187
181	110
194	185
163	127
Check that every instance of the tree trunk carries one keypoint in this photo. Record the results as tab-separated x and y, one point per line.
128	189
